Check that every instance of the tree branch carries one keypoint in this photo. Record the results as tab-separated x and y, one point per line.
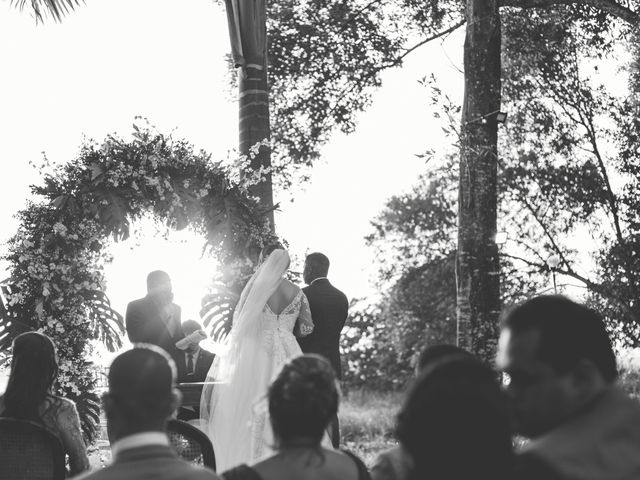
539	266
610	6
355	15
602	290
589	284
547	232
611	197
395	62
435	36
531	249
613	203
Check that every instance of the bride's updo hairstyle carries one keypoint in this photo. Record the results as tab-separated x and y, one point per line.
268	250
303	399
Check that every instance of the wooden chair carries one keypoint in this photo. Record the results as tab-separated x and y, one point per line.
191	444
28	451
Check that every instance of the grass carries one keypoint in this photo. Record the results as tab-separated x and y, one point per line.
367	421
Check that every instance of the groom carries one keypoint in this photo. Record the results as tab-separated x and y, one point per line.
329	310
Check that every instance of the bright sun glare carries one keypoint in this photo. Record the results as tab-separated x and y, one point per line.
151	247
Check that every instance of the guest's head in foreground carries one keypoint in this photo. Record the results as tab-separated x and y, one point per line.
316	265
455	423
34	368
558	357
395	463
159	286
302	401
433	354
141	395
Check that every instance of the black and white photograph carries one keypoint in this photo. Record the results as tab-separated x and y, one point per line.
320	239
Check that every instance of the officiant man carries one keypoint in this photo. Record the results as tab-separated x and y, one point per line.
329	311
155	318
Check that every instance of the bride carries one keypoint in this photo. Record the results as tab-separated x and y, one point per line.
270	313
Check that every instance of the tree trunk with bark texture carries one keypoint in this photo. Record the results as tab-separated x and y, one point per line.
477	266
254	127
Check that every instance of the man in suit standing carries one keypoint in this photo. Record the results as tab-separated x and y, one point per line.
155	319
140	400
329	310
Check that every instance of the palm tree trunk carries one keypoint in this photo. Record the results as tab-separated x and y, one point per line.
477	267
248	34
253	99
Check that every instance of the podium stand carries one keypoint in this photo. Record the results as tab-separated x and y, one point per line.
191	392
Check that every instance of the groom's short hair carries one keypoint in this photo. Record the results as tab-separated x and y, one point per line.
318	263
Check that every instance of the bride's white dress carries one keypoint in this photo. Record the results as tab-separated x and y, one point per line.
235	413
280	345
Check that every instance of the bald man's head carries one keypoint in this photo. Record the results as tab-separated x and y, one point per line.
141	393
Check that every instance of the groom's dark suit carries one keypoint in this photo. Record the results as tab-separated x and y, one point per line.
147	322
329	310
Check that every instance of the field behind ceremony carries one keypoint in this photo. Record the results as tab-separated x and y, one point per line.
367	420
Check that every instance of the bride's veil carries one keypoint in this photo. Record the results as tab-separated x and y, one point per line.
226	407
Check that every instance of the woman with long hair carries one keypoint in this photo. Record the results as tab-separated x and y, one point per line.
302	401
29	395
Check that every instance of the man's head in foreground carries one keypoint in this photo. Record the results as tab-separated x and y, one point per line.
558	358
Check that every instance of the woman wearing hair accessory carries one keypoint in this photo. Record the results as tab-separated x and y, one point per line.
270	314
302	401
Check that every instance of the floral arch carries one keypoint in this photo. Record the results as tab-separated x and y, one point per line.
57	257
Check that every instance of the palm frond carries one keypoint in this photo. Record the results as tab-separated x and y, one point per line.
54	8
88	405
6	322
112	209
108	325
217	311
4	358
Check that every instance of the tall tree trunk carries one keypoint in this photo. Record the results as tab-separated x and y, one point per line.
254	127
477	266
248	34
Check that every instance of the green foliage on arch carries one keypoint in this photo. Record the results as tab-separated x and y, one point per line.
57	257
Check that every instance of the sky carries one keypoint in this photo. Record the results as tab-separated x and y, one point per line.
112	60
